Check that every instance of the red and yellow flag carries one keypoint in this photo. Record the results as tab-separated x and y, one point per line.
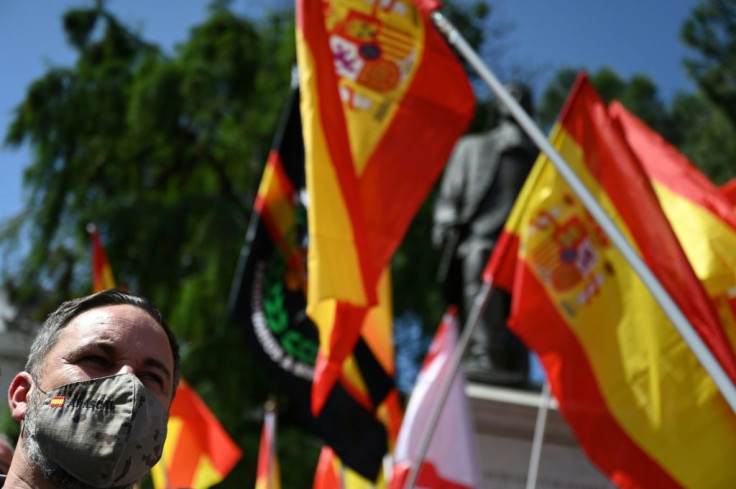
638	400
198	452
383	102
332	474
268	475
699	213
102	278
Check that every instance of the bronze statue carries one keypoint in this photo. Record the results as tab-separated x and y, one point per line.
484	175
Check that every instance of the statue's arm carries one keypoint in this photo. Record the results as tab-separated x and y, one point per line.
450	196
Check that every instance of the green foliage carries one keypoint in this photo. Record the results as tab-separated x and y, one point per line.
705	135
711	33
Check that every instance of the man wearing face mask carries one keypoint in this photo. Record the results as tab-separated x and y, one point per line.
94	398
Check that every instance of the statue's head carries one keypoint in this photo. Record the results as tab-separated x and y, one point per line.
520	93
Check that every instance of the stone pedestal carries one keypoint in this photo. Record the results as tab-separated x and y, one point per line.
505	420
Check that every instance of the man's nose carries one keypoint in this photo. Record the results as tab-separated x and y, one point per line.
126	369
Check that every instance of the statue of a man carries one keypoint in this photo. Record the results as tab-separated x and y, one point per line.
478	189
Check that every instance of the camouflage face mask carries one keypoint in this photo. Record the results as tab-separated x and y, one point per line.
105	432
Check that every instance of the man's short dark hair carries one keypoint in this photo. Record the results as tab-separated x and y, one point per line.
50	330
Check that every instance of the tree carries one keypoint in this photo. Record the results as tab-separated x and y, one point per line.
704	134
711	32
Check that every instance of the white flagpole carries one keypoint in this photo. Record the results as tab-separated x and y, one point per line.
536	453
670	308
479	305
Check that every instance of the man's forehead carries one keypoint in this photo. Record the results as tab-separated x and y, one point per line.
120	315
117	326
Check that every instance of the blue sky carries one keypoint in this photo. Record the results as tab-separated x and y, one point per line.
630	36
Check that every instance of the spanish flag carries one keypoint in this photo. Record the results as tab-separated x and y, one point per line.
268	475
636	397
198	452
102	278
698	211
383	102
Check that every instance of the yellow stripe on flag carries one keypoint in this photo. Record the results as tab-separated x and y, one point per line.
333	263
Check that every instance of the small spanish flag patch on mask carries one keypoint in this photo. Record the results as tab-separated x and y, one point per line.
57	401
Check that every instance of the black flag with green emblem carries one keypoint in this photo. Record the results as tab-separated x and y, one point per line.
268	301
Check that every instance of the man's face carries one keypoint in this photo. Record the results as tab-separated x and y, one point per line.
112	340
99	343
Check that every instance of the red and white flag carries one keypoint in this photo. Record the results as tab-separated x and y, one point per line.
451	461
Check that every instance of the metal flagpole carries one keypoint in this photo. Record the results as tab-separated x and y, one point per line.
479	305
536	453
673	312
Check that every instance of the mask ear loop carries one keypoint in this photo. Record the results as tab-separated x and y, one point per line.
37	384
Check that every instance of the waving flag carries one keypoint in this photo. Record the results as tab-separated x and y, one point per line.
332	474
451	461
699	213
198	452
383	102
638	400
268	474
361	415
102	278
328	475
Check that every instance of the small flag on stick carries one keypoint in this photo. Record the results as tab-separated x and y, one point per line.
268	474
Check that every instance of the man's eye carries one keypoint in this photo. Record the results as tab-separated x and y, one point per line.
96	359
151	377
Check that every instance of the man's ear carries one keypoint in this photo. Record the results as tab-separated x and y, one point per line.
18	395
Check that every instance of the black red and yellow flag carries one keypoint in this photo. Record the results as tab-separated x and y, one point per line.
268	301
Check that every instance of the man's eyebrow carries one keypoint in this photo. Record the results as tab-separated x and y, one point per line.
106	347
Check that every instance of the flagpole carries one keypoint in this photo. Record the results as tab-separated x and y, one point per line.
670	308
536	453
479	304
